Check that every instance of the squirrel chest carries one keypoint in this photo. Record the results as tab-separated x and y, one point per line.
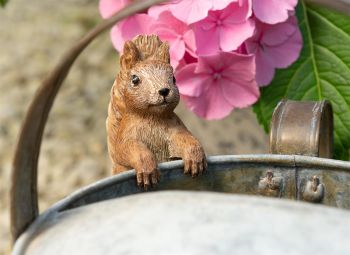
153	133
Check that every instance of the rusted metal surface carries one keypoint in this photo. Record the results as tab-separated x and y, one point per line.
191	223
302	128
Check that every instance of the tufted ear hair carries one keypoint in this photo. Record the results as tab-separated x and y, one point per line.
162	53
130	56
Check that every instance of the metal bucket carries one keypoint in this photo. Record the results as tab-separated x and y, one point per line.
85	223
97	220
74	220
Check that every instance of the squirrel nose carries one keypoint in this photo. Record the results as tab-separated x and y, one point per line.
164	92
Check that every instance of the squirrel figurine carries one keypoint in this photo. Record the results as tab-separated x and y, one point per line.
142	127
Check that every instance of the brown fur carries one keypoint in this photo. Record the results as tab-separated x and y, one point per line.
142	129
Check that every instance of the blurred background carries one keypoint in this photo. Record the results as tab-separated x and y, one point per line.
34	35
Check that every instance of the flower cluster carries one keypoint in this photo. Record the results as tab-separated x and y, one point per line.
221	50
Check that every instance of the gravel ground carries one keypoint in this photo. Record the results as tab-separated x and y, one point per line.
33	36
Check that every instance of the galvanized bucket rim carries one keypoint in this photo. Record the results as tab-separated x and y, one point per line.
260	159
257	159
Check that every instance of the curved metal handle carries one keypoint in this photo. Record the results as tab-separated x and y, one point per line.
302	128
24	198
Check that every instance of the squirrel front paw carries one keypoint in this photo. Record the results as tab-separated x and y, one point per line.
147	173
195	162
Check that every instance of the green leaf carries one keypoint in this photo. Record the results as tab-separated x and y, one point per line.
3	2
321	72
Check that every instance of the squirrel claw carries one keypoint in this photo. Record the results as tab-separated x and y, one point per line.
195	167
147	180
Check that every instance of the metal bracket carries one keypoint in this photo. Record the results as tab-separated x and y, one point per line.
314	190
270	186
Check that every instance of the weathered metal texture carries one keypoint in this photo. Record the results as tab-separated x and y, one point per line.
302	128
239	174
229	174
177	222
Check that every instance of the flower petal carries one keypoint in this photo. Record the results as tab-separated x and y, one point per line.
209	64
177	33
207	41
190	42
239	92
129	28
177	49
232	36
191	11
237	13
273	11
117	37
264	69
156	10
221	4
109	7
238	80
189	83
285	54
168	20
279	33
210	105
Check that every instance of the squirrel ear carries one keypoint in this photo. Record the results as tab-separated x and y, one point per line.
162	53
130	56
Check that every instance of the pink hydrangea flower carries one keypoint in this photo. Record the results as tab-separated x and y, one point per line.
220	49
221	4
179	36
273	11
225	29
191	11
155	10
274	46
129	28
110	7
218	83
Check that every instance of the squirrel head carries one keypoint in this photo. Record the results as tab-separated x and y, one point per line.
146	82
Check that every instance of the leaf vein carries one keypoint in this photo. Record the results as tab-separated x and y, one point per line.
327	21
335	55
312	51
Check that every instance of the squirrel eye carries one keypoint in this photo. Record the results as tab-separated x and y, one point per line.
135	79
174	80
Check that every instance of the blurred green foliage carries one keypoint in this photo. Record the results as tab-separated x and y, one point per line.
3	2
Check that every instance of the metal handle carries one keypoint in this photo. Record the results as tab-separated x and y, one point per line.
24	198
303	128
